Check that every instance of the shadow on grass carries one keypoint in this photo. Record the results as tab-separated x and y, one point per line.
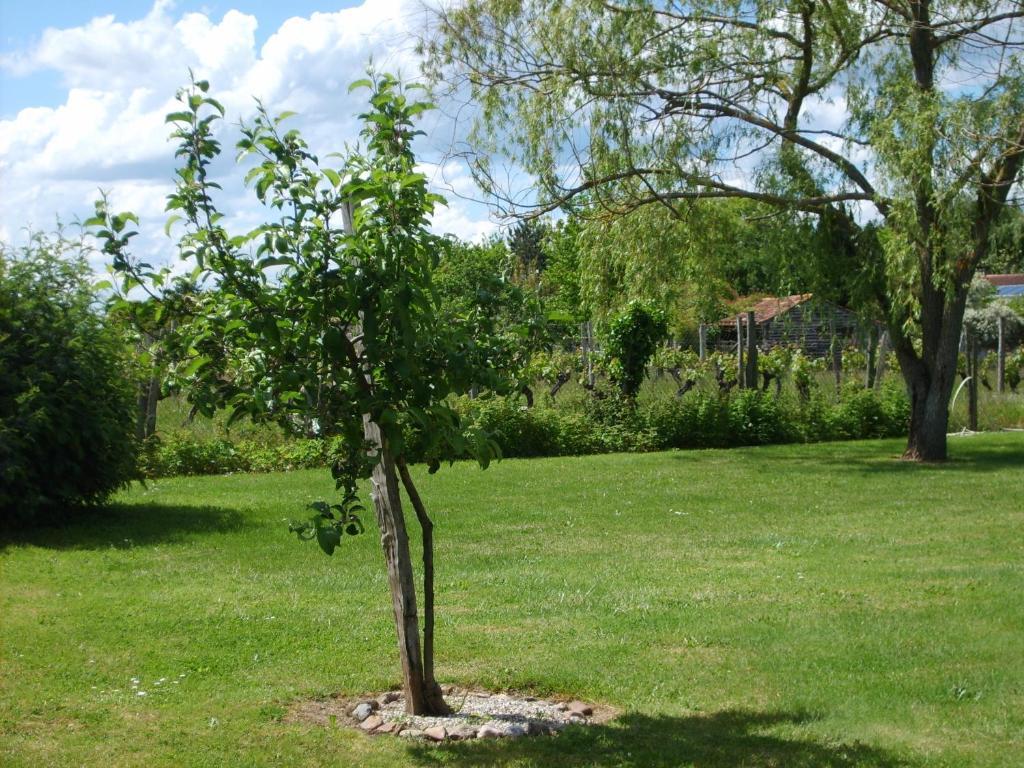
965	455
885	456
126	525
722	740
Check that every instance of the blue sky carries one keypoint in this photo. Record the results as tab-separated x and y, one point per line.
84	87
23	23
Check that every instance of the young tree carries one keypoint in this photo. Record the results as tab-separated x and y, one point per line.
332	295
635	103
632	338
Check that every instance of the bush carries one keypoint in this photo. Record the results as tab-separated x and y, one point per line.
608	423
66	401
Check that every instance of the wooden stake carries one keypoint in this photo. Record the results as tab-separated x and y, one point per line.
751	351
1000	357
741	378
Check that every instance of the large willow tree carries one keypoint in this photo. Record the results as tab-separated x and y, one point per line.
907	113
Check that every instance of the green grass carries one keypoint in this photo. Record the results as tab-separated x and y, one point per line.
820	605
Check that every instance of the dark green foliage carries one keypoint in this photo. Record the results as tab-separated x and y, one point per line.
526	242
609	424
1007	252
560	281
66	404
631	338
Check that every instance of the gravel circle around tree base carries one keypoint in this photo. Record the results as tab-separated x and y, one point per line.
475	715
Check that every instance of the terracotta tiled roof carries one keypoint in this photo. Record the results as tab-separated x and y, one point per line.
770	307
997	280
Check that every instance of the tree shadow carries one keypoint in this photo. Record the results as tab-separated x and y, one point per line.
721	740
123	526
964	456
874	457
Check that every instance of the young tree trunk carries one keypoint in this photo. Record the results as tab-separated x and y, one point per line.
394	541
146	403
528	393
152	399
432	691
560	381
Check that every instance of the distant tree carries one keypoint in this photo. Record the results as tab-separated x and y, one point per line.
641	103
66	401
984	311
560	281
332	294
526	242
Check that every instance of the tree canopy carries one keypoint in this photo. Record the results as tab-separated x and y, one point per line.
906	113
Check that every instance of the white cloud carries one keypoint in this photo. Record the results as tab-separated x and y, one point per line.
121	77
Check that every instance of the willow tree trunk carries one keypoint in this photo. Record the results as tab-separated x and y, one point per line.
931	372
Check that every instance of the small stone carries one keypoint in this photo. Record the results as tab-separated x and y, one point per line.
581	708
488	731
363	710
411	733
389	697
529	698
463	731
371	723
391	727
437	733
536	728
577	716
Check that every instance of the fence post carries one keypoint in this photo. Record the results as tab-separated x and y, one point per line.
883	354
869	382
972	384
702	341
751	351
837	362
740	371
587	333
1000	357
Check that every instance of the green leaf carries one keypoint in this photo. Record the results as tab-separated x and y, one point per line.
193	367
171	221
333	176
328	537
333	344
364	83
215	104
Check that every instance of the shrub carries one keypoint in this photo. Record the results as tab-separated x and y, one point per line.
66	402
609	423
755	418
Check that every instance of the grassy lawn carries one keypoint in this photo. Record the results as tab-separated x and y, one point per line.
786	606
